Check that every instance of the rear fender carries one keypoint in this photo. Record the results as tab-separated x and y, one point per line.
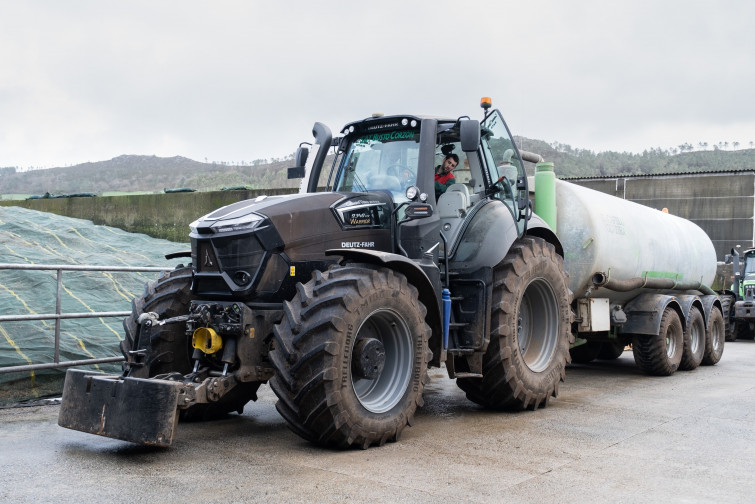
645	311
710	302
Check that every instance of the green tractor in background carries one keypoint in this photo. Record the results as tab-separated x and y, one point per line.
742	316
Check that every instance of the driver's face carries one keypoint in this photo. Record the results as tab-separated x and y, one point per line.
448	165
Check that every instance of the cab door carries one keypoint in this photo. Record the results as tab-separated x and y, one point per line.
505	171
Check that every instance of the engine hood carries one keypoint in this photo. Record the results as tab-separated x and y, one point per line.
308	224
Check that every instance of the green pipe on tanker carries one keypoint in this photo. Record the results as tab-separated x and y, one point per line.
545	193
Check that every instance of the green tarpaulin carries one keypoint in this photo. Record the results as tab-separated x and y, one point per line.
31	237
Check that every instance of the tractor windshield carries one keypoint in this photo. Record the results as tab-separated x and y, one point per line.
384	160
749	265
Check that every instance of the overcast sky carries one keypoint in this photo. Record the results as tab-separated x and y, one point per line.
241	80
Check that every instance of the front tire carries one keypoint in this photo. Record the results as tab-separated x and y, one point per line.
351	357
530	330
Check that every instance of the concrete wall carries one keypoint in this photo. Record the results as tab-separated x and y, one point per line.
722	204
164	216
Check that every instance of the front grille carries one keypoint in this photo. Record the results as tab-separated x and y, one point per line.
239	256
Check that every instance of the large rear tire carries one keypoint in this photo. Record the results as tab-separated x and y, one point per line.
694	341
715	336
530	330
170	349
660	354
351	357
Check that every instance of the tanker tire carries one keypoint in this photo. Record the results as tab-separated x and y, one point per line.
585	353
320	393
660	354
169	296
714	338
694	341
530	330
611	350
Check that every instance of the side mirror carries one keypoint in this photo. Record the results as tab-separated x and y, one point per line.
469	133
301	155
300	159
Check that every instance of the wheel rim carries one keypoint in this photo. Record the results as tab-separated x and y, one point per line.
671	341
538	325
386	390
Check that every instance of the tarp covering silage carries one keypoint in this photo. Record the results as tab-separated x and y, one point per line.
32	237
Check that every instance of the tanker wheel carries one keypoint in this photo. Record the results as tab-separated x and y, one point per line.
714	338
169	296
611	350
530	330
660	354
694	341
585	353
351	356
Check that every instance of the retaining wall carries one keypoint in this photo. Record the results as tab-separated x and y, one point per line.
164	216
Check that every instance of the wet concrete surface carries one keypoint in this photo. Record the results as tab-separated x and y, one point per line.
612	435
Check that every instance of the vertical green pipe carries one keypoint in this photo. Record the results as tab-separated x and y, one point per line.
545	193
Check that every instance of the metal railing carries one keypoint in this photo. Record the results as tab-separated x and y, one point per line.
58	315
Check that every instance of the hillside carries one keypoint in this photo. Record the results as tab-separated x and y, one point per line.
131	173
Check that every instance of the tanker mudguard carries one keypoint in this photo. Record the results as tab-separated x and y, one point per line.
645	311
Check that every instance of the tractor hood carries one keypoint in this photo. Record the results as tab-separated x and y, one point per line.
248	247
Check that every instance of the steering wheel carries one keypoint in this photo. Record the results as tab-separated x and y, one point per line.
403	173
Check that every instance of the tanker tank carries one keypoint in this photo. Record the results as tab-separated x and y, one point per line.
625	240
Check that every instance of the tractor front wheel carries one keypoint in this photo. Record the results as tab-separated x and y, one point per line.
351	355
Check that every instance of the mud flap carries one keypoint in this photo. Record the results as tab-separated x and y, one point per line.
138	410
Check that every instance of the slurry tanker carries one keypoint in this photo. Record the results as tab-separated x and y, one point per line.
342	296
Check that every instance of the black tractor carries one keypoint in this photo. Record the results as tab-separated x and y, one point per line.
341	296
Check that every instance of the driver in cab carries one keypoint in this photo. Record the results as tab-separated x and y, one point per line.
444	176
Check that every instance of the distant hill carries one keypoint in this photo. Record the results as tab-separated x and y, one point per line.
132	173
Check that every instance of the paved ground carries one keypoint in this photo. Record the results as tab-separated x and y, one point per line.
613	435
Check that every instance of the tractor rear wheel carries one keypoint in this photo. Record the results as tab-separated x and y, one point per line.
714	338
530	330
351	355
660	354
694	341
170	349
